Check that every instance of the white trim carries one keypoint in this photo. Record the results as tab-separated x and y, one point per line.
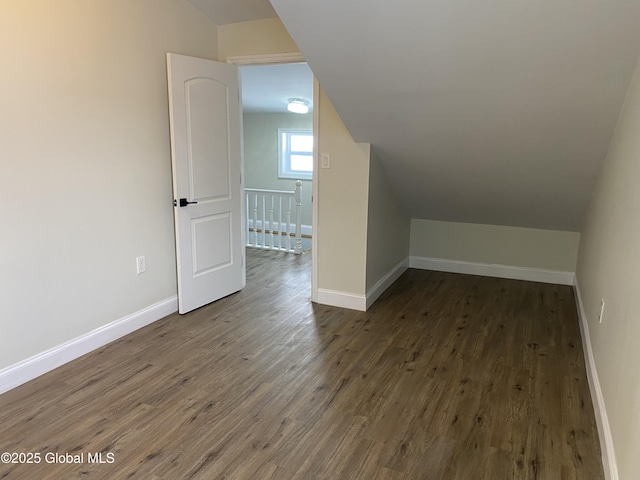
602	420
491	270
334	298
291	57
386	281
314	191
43	362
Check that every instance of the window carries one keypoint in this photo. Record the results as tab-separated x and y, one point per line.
295	153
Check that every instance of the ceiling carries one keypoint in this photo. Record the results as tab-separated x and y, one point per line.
268	88
222	12
496	112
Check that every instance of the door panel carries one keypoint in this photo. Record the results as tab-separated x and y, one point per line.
211	231
205	118
209	156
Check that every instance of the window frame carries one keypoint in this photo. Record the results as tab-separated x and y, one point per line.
284	154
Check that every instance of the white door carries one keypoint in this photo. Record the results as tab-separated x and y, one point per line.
206	157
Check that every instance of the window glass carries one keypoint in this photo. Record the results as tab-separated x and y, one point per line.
301	143
295	153
302	163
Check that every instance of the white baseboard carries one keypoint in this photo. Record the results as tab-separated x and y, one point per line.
490	270
361	302
335	298
304	229
48	360
386	281
609	462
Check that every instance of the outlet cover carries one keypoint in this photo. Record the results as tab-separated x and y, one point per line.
141	264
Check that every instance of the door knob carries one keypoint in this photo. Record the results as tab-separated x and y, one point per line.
184	202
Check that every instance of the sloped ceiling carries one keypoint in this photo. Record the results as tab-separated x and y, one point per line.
496	112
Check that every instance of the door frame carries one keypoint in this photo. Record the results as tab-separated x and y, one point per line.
296	57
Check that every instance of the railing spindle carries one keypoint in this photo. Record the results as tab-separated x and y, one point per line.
280	222
256	200
255	220
298	197
288	230
264	232
271	221
246	207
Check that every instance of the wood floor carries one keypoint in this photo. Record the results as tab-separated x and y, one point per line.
446	377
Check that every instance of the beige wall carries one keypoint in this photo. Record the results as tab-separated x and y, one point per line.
609	269
495	244
261	154
387	226
342	210
258	37
86	168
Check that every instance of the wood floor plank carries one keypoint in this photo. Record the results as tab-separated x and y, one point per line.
445	377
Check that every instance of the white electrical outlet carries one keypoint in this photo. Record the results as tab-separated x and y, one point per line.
141	264
601	310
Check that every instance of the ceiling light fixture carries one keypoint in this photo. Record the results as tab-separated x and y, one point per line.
297	105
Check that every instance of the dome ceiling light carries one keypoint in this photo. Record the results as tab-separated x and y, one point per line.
297	105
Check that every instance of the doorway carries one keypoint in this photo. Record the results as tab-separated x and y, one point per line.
268	85
278	151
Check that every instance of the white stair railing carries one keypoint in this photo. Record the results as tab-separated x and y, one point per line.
266	210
